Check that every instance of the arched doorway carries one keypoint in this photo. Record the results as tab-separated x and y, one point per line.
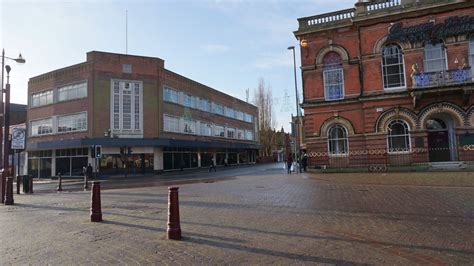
441	138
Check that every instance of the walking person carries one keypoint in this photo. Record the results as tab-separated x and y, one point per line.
213	165
89	171
305	161
289	163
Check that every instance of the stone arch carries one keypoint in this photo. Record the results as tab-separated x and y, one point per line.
386	117
333	121
383	41
331	48
469	117
456	112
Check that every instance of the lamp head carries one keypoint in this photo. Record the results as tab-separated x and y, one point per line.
291	48
20	59
8	68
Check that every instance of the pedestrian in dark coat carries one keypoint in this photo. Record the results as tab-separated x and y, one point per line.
289	162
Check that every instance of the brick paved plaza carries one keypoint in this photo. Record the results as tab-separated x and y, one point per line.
260	216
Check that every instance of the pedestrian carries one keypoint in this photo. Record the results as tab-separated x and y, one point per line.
213	165
89	171
305	161
289	163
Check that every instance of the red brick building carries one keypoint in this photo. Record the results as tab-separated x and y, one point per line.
145	117
389	83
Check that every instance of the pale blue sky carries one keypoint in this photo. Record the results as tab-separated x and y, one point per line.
227	45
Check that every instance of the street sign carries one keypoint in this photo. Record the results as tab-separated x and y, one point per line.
18	138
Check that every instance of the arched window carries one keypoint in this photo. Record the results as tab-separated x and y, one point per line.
337	140
333	76
435	57
398	136
392	67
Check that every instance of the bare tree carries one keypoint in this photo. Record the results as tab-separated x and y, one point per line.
264	101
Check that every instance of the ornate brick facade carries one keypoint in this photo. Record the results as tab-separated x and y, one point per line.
400	93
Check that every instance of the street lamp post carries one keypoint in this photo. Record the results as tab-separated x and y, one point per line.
297	105
6	114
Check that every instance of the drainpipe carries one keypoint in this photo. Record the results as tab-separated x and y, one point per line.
361	68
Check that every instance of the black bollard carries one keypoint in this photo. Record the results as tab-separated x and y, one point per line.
18	183
96	208
31	184
60	183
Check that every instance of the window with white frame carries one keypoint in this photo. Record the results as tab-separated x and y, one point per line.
240	134
392	67
248	134
205	129
189	101
219	131
229	112
337	140
231	133
42	98
248	118
434	57
72	123
217	108
204	105
189	126
398	136
41	127
170	95
171	123
239	115
126	107
333	76
74	91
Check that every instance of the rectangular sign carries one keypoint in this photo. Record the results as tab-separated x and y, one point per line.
18	138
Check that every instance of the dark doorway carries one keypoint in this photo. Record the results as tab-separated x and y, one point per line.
438	140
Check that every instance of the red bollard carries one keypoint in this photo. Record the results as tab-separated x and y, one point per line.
96	209
9	192
31	184
60	183
86	186
174	228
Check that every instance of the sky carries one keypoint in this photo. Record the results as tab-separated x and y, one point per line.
225	44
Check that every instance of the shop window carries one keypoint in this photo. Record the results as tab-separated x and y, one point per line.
333	76
398	137
337	140
393	67
434	57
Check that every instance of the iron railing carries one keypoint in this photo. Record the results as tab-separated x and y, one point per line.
442	78
382	159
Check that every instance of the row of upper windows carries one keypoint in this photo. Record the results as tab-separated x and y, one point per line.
187	100
393	67
398	138
60	94
59	124
195	127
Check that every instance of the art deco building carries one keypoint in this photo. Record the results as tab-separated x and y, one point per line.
146	118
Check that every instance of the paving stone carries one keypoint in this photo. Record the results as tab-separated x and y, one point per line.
264	217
